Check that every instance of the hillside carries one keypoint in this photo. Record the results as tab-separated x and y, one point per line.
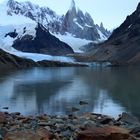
123	46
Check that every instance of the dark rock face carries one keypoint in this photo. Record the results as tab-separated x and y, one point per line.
123	46
12	34
128	25
43	43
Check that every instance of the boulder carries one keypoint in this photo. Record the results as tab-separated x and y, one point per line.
104	133
105	120
44	133
22	136
2	118
128	118
41	134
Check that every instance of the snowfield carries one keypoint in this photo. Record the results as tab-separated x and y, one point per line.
102	37
75	43
39	57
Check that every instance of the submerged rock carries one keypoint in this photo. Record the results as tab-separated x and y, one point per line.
5	108
74	109
128	118
83	103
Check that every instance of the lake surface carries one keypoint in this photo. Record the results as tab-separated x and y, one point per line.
109	91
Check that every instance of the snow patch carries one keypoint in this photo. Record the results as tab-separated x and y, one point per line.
75	43
102	36
88	26
75	21
79	25
129	26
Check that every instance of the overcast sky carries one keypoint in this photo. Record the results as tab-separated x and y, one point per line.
111	12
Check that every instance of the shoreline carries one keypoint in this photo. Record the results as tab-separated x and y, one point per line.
88	126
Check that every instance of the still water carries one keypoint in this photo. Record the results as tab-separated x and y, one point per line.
109	91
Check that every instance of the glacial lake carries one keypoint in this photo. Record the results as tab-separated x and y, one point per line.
55	91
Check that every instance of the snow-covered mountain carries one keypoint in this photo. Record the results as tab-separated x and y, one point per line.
82	25
43	15
73	27
20	33
13	25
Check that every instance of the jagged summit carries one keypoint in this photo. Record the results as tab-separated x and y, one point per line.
73	5
75	22
82	25
101	25
10	2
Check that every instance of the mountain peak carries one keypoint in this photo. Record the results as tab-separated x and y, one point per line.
138	7
72	4
10	2
101	24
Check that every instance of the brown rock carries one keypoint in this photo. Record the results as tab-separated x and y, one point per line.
2	118
43	117
22	136
45	134
104	133
26	120
21	118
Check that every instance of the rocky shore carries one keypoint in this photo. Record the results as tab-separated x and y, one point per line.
87	126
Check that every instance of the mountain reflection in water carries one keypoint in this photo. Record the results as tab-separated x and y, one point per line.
108	91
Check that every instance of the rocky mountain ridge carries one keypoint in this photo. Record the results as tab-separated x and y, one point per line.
82	25
74	21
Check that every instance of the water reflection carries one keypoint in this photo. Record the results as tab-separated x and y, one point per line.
56	90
